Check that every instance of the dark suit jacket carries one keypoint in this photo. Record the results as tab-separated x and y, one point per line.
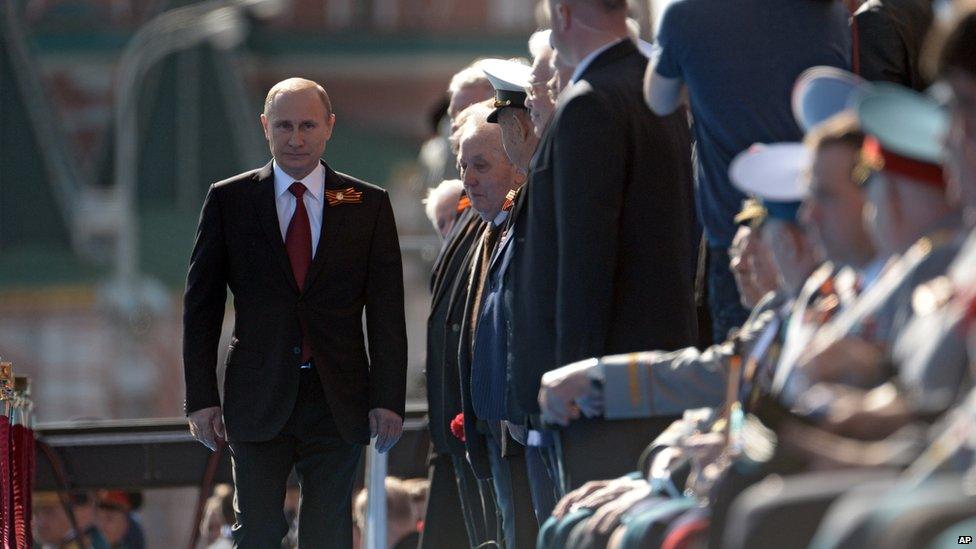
444	330
476	446
606	265
356	265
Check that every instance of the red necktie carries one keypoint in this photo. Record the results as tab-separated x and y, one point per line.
298	244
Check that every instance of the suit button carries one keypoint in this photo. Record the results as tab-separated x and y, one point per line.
455	327
297	350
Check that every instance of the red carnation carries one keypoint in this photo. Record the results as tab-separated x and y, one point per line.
457	427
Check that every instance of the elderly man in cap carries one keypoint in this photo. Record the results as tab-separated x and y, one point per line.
511	82
489	180
589	284
449	285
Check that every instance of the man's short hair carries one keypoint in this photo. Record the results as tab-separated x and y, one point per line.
445	191
539	43
606	6
842	129
296	84
472	75
475	114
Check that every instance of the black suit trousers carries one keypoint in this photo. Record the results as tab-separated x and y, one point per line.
326	468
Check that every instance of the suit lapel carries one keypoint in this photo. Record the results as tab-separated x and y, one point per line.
333	219
267	213
461	236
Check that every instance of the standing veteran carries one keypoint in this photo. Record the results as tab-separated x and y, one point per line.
489	178
449	290
304	249
609	245
511	82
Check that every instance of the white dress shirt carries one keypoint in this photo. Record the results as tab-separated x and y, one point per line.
581	68
314	199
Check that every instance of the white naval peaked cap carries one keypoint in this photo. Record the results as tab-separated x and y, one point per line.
772	172
506	75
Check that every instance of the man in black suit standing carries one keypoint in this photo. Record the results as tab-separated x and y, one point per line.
607	261
304	249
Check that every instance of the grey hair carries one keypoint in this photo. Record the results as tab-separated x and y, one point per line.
472	75
539	42
449	189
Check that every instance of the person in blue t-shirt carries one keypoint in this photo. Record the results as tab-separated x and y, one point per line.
737	61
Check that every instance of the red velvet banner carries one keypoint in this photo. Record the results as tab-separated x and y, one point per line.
6	507
21	485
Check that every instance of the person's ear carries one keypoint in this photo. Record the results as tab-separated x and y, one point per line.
264	126
563	16
329	125
523	129
520	177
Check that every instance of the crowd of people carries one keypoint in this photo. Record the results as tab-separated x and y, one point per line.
714	291
104	519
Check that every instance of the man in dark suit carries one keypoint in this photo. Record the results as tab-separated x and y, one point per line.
450	276
304	249
607	258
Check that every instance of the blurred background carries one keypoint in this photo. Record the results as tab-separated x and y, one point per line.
114	120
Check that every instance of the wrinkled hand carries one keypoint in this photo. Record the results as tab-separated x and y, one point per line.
568	391
851	360
563	505
207	426
615	489
386	426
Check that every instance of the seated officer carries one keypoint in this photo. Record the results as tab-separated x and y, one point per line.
672	382
626	507
913	216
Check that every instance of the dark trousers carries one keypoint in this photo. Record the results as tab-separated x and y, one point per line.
326	468
513	496
595	449
448	520
478	505
723	295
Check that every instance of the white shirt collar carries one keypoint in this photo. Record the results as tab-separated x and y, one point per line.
581	68
314	182
500	218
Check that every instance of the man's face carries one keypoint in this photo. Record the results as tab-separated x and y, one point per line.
51	525
297	128
834	207
752	265
518	137
113	524
740	263
961	141
487	173
445	216
467	96
538	100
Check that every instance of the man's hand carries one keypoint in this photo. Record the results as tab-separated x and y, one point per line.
386	426
207	426
567	391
